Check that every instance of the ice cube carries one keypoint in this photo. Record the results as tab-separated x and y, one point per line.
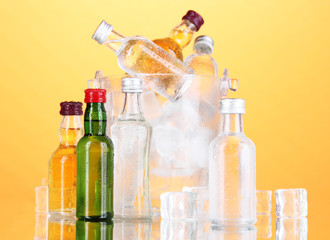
167	140
233	232
199	147
40	232
203	229
264	226
178	205
291	202
202	195
132	229
291	228
183	114
41	199
61	228
264	201
150	105
178	230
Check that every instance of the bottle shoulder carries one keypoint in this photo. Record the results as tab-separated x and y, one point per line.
64	150
202	64
170	46
94	139
130	125
239	139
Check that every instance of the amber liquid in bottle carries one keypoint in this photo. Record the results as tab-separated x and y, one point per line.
181	35
62	168
179	38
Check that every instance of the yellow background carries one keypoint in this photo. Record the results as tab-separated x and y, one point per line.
279	50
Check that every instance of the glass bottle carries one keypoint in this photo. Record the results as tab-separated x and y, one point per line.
181	35
201	61
95	162
63	163
94	230
138	55
131	134
232	170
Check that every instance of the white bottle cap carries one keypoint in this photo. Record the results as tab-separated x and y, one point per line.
204	44
131	85
232	106
102	32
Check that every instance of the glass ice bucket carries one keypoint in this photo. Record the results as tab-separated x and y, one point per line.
182	130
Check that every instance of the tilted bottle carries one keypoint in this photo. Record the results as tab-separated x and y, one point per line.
232	170
201	61
181	35
95	162
63	163
138	55
131	135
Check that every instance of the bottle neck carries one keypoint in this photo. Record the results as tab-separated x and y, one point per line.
132	106
114	41
183	33
95	119
232	123
70	130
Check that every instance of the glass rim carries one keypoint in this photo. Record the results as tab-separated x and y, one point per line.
158	74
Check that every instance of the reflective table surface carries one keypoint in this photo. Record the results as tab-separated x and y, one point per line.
48	227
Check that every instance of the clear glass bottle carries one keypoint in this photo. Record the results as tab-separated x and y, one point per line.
232	170
138	55
95	162
131	135
62	178
201	61
181	35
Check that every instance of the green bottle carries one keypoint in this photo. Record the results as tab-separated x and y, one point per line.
95	162
94	230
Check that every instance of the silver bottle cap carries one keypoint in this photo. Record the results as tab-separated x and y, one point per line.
232	105
102	32
131	85
204	44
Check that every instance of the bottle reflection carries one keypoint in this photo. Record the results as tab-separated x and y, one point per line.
155	233
233	233
264	226
40	227
291	228
132	229
64	229
178	230
94	230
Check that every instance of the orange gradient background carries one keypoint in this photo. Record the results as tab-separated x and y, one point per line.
279	49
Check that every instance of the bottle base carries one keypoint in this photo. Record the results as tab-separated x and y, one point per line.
103	218
62	214
233	223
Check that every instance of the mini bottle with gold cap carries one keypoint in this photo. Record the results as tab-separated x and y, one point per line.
232	170
95	162
63	163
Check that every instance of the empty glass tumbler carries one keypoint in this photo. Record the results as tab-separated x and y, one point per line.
232	170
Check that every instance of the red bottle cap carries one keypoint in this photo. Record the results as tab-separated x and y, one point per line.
194	18
71	108
95	95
